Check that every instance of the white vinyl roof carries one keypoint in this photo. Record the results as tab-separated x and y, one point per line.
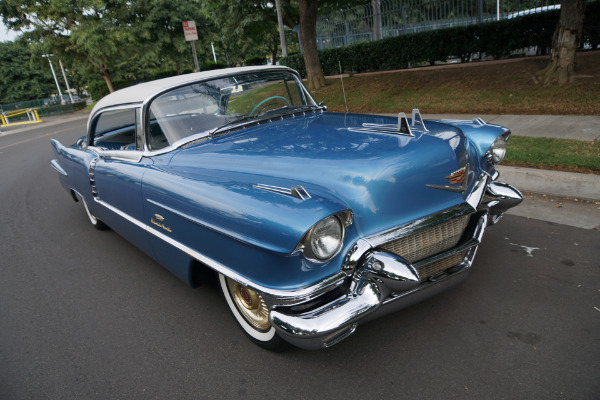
140	92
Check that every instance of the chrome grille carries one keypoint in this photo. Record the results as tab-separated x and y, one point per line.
435	268
428	242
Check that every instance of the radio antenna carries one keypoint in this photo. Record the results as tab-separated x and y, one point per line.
343	90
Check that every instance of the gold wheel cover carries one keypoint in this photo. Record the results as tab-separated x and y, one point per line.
250	304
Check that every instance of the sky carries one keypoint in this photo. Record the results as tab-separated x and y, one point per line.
5	34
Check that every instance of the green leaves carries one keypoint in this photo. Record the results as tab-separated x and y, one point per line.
18	81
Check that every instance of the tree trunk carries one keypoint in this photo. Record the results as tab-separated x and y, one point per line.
106	77
102	70
274	51
308	36
564	43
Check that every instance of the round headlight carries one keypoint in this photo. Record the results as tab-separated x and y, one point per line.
497	150
326	238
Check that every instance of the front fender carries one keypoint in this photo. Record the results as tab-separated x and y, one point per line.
239	208
480	136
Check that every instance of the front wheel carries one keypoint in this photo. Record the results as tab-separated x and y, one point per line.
251	313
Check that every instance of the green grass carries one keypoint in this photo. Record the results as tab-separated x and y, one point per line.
559	154
476	88
486	88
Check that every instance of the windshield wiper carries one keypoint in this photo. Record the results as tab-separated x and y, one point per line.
291	108
231	123
246	118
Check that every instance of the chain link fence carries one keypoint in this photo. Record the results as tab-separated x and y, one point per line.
388	18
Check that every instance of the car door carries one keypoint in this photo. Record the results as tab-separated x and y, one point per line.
116	173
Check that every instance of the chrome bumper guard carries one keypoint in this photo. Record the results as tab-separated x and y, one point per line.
499	197
384	283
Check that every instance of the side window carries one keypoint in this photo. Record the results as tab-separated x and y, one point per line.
181	113
116	130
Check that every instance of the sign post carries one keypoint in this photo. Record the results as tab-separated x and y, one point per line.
191	35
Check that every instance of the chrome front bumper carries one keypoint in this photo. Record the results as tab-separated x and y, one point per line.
383	282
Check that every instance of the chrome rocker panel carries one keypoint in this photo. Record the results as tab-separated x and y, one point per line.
383	283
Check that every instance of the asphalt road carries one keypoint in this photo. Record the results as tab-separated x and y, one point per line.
85	315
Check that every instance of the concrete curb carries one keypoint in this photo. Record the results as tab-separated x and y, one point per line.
558	183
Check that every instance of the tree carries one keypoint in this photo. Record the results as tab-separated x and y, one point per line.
91	31
114	38
160	24
564	44
308	35
19	80
308	38
249	28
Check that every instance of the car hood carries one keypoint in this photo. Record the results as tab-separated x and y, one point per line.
381	177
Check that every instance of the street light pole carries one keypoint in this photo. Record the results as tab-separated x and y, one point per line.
66	81
53	74
281	31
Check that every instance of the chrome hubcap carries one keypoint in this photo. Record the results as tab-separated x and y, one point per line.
250	304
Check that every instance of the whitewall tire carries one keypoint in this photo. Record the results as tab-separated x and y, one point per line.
251	313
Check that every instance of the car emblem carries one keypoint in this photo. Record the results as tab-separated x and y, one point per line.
457	176
159	221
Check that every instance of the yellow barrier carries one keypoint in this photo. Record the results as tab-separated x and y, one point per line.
32	115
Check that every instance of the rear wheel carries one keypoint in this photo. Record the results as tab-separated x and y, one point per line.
101	226
252	314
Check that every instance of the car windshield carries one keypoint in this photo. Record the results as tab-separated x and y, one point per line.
205	107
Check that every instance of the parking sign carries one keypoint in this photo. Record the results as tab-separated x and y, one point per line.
189	30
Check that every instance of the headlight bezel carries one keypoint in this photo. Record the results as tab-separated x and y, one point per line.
497	150
342	219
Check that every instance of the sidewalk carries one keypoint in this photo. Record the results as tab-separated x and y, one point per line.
577	127
51	120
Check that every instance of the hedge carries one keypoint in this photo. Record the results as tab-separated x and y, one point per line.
257	60
498	38
208	66
98	88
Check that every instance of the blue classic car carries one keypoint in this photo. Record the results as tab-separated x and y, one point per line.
313	221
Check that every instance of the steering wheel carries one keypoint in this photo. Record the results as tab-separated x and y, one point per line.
266	100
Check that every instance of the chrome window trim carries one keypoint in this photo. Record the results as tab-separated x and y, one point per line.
120	155
146	104
94	117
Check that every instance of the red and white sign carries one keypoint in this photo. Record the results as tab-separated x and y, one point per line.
189	30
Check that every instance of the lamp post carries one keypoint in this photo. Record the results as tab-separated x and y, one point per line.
53	74
281	30
66	81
